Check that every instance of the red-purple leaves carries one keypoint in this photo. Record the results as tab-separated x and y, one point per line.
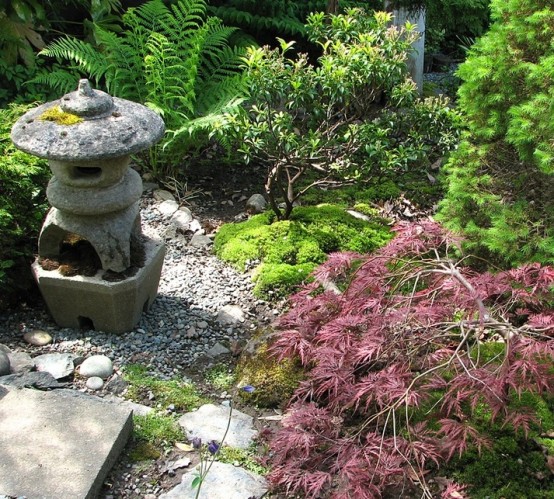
392	345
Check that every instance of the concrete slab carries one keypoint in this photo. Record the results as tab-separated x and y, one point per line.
59	444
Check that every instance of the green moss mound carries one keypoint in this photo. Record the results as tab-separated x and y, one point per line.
285	252
274	381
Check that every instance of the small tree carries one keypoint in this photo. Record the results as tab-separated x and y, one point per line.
353	116
409	356
501	185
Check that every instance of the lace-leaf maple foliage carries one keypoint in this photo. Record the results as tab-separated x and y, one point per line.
397	379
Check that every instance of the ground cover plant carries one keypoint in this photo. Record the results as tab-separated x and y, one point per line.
174	59
285	252
22	208
500	180
399	375
352	117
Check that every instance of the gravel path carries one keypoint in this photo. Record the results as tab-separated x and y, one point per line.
173	339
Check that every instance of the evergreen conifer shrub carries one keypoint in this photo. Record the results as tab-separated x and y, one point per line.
500	181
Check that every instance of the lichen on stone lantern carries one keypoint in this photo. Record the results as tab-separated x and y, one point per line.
88	138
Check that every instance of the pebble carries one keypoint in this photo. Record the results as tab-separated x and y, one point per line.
97	366
94	383
37	337
4	364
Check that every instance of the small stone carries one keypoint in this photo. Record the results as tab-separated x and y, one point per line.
202	324
149	186
37	337
256	204
97	365
218	349
181	218
21	362
58	365
195	227
168	208
191	332
230	315
163	195
117	385
200	241
4	364
94	383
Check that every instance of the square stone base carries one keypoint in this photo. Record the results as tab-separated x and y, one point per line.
112	307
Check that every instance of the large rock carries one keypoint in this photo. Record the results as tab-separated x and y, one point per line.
96	366
58	365
210	422
223	481
33	379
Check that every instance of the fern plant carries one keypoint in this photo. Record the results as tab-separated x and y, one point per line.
176	60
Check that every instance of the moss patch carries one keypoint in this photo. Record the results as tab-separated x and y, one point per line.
183	396
274	381
287	251
60	117
153	433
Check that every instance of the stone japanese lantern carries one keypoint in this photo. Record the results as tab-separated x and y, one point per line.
88	137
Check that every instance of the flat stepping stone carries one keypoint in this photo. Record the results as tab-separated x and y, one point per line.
58	365
58	444
210	421
223	481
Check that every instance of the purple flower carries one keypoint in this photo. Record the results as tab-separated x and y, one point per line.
213	447
248	388
196	442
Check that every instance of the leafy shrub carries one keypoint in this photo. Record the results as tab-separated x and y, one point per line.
397	381
174	59
500	184
353	116
23	181
289	250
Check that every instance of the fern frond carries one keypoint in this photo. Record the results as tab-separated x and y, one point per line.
60	80
83	54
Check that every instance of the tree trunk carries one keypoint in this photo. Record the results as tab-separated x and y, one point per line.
332	7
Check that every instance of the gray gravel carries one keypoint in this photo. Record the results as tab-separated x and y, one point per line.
181	326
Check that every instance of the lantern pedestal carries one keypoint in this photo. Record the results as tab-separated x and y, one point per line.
92	302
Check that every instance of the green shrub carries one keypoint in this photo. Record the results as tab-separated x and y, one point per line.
23	181
288	250
354	116
500	181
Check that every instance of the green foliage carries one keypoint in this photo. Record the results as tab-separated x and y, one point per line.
23	181
245	457
220	377
448	21
183	396
500	185
519	463
157	430
289	250
354	116
173	59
